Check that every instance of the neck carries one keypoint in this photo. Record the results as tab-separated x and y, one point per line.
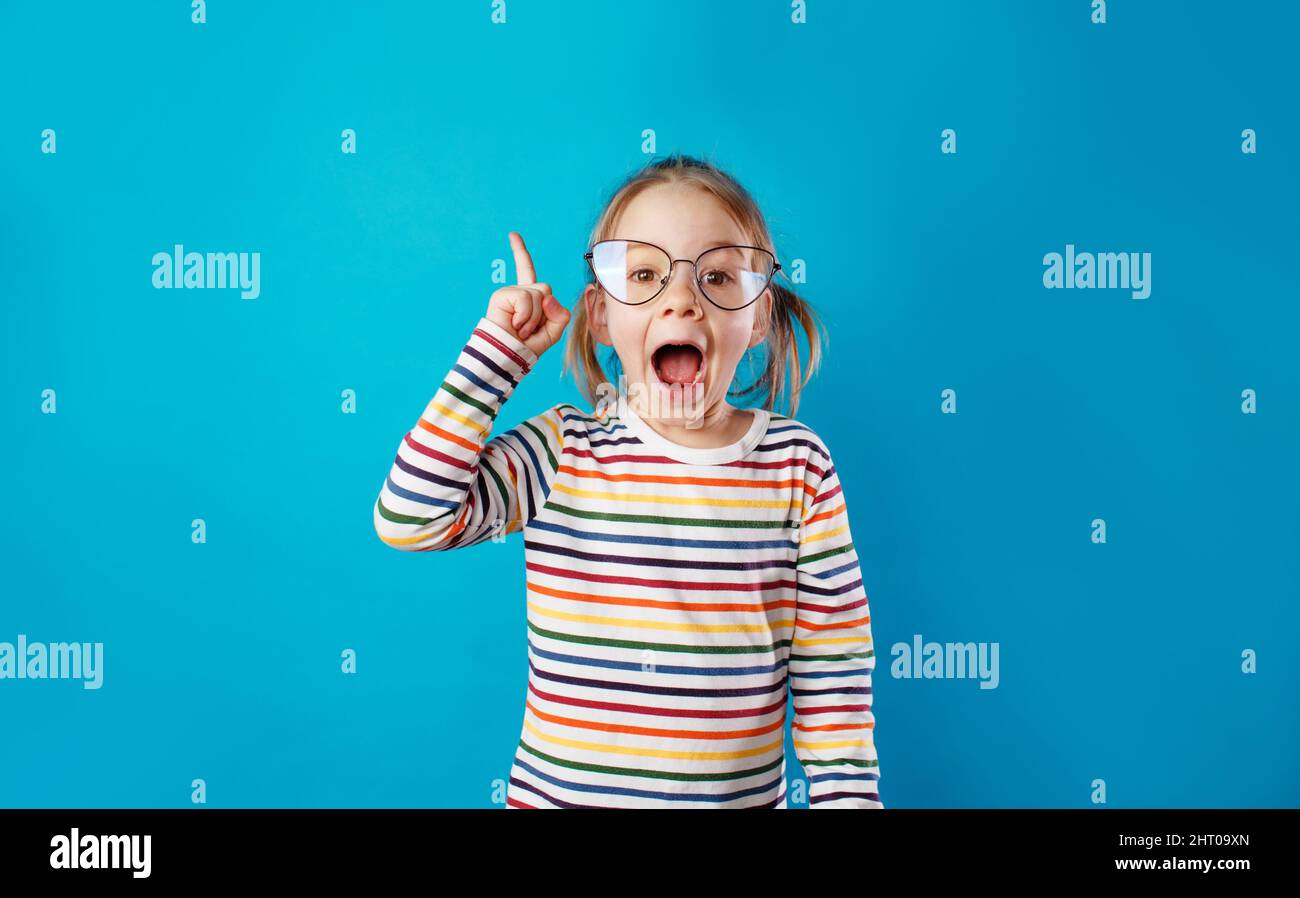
721	424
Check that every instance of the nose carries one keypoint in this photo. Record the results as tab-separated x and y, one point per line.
681	296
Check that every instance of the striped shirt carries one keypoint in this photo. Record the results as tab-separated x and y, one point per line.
673	594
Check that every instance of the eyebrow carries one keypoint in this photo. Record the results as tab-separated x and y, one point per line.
713	245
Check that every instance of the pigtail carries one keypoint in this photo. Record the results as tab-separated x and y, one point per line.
580	357
786	310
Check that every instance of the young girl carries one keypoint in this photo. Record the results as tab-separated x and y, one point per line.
686	560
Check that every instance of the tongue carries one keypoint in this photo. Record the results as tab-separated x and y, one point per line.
678	364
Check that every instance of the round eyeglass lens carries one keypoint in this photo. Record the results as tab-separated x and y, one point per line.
733	276
630	271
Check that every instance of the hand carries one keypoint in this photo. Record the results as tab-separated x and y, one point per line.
528	310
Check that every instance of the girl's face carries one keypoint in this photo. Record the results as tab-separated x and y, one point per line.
685	221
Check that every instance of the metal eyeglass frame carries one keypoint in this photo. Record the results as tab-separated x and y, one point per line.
776	266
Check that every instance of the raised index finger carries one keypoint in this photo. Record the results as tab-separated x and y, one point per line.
524	273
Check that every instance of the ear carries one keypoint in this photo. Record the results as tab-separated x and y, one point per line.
762	322
596	321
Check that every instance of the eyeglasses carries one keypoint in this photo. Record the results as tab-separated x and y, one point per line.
635	272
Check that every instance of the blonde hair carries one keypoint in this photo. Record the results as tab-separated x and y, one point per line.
780	313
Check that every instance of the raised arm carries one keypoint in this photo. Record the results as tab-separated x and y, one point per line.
451	486
451	483
832	655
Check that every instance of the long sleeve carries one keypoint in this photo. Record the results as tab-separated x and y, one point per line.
453	485
832	655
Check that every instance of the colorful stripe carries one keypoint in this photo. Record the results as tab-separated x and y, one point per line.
673	608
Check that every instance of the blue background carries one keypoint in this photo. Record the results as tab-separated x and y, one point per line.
1118	661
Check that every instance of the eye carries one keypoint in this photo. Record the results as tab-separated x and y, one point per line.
634	276
717	278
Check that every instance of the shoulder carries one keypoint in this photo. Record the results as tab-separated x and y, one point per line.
800	438
564	420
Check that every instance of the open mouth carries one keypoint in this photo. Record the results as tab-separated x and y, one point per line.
678	363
